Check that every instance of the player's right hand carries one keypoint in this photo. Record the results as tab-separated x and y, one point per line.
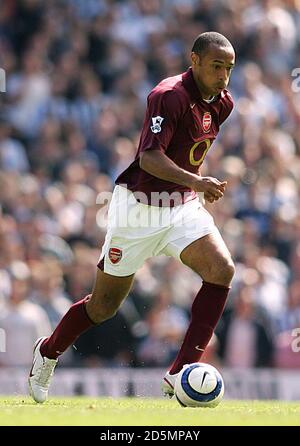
213	188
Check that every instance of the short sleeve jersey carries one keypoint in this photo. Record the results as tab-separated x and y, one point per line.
181	124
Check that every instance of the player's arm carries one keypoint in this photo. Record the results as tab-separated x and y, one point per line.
161	166
164	113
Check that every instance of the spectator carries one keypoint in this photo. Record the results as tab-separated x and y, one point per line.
166	328
78	73
244	337
21	320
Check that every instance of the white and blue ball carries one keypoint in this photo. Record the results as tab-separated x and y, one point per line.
199	385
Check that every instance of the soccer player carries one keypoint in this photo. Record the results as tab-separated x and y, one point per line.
157	208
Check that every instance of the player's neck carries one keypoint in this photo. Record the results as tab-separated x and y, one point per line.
204	93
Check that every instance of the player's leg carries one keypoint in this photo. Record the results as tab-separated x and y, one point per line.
210	258
108	293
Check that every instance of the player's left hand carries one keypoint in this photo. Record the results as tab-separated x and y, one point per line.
212	198
209	198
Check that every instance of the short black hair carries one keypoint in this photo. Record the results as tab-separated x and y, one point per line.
205	40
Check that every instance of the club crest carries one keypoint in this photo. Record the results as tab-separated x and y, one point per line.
114	255
206	122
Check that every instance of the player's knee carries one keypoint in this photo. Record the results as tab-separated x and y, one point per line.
221	272
100	310
229	270
99	315
225	271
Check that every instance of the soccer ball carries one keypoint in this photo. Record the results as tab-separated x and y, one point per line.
199	385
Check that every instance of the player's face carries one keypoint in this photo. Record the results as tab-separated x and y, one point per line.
212	70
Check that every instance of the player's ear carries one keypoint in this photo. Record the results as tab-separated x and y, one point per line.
195	58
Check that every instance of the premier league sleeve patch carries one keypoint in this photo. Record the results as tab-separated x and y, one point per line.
156	124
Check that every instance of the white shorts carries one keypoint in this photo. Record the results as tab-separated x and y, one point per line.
136	231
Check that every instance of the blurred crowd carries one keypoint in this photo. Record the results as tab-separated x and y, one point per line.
77	77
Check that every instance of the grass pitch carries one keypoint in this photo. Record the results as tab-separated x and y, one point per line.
18	411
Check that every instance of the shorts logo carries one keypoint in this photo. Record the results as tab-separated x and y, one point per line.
115	255
206	122
156	121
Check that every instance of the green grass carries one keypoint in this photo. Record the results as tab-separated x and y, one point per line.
83	411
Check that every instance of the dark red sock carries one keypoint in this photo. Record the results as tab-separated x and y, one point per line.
206	311
74	322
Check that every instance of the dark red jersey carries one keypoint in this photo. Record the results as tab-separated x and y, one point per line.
183	126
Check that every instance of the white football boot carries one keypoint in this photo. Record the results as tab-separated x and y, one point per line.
40	374
168	384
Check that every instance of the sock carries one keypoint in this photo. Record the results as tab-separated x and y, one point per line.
206	311
74	322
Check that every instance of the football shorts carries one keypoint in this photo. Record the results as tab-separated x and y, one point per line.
136	231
